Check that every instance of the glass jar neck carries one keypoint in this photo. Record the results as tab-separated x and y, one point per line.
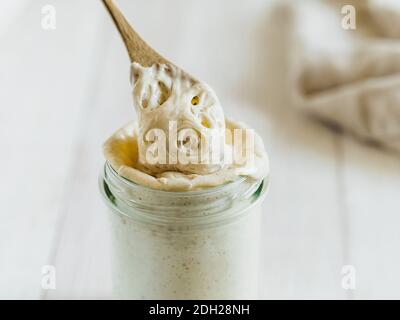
189	207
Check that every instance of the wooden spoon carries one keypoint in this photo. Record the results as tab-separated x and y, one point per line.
139	51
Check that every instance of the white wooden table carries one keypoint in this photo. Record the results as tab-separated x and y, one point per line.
332	201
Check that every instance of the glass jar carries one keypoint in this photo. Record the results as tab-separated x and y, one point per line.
184	245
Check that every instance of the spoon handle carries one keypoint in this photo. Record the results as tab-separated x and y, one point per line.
138	50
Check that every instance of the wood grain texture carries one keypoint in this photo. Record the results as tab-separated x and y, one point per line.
139	51
372	180
42	93
332	201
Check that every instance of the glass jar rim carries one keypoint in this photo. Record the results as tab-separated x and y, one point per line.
206	206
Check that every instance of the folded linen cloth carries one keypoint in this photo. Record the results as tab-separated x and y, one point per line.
348	77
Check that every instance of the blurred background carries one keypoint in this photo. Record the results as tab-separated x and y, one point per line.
313	86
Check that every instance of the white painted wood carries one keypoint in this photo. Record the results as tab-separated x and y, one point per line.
332	201
43	79
303	237
372	180
12	11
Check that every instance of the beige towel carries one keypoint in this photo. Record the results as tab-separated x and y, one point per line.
349	77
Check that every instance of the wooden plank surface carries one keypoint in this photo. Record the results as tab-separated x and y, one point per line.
372	181
332	202
44	79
